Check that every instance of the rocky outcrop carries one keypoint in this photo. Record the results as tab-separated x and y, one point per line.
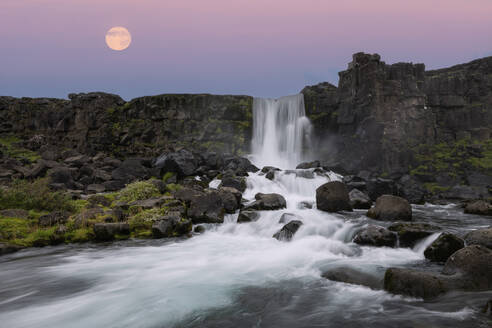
110	231
171	225
481	237
247	216
376	236
391	208
443	247
333	197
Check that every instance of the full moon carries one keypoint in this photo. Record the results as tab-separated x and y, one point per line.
118	38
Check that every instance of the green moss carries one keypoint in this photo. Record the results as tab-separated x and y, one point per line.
35	195
15	151
138	191
434	188
81	235
173	187
167	176
39	238
12	228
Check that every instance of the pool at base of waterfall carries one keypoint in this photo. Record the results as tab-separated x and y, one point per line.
235	275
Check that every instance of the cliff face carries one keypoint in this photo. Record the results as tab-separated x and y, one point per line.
399	119
144	126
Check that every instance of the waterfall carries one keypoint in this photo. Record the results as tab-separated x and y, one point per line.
281	131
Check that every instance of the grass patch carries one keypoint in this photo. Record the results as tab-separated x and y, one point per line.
139	190
9	143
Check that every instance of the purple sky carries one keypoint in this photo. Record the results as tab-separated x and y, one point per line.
256	47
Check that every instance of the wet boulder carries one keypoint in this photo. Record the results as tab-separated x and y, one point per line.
333	197
352	276
206	207
288	231
472	267
376	236
426	285
359	200
443	247
182	162
267	202
480	237
248	216
238	183
231	198
287	217
171	225
391	208
410	233
111	231
8	248
309	165
479	207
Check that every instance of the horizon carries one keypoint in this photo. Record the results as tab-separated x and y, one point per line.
190	48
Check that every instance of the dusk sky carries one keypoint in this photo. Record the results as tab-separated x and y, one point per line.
265	48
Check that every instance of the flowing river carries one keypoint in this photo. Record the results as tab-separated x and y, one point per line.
237	275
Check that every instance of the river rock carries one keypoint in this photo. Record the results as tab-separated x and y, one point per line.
234	182
248	216
352	276
415	283
267	202
359	200
109	231
333	197
443	247
309	165
287	217
410	233
479	207
391	208
171	225
53	218
376	236
231	198
288	231
473	266
206	207
182	162
480	237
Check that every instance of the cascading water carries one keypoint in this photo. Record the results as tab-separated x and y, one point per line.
233	274
281	131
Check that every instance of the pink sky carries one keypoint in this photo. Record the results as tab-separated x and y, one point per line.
256	47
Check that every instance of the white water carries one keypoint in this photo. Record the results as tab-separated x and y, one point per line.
281	131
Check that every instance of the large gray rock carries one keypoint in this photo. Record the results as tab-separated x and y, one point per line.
410	233
267	202
238	183
181	162
352	276
288	231
480	237
171	225
415	283
376	236
479	207
131	169
231	198
359	200
206	208
391	208
109	231
443	247
333	197
247	216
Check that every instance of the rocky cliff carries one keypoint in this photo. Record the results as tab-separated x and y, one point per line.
398	120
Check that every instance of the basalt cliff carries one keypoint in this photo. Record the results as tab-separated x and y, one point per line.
430	131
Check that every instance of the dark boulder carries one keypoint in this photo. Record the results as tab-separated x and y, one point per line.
443	247
62	175
114	185
376	236
206	208
182	162
288	231
95	188
309	165
287	217
267	202
359	200
161	186
199	229
102	200
247	216
238	183
391	208
480	237
410	233
333	197
379	186
231	198
352	276
240	165
415	283
472	265
411	189
111	231
131	169
57	217
171	225
479	207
